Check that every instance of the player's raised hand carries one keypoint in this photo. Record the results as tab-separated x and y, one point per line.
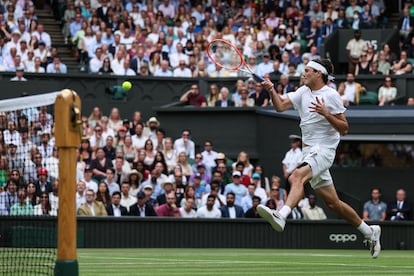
319	107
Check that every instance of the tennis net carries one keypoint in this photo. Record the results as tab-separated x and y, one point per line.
29	168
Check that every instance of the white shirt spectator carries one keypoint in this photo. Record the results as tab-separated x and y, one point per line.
182	72
163	73
191	214
188	148
203	212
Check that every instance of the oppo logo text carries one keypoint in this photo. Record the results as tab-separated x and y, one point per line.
342	238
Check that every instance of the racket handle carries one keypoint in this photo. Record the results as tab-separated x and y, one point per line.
258	78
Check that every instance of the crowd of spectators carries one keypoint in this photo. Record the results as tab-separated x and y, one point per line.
169	37
131	167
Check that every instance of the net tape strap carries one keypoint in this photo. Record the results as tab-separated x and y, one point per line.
28	101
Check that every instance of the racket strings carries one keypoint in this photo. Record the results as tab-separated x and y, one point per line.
225	55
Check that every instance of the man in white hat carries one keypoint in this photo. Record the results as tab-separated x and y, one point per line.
150	130
19	75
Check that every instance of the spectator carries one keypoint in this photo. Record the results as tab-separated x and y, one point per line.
106	67
276	197
287	86
80	194
244	100
402	66
189	192
92	207
350	90
142	208
100	164
247	200
154	184
363	66
169	209
410	101
243	157
213	95
21	207
185	144
405	25
383	65
103	193
373	69
387	92
167	186
209	210
32	197
37	66
200	168
44	208
399	209
252	212
8	197
89	182
266	66
56	66
292	158
164	70
14	160
126	199
313	212
19	75
225	101
209	154
235	187
219	200
182	70
187	211
375	209
54	194
110	181
194	97
42	184
231	210
114	208
355	47
258	190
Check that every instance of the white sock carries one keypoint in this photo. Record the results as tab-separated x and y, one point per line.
365	229
285	211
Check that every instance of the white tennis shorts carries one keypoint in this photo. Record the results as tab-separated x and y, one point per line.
320	159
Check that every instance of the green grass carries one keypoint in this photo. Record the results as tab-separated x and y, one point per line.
224	262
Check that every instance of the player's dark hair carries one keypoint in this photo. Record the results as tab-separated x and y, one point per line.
328	66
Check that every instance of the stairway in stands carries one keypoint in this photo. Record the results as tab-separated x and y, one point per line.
45	17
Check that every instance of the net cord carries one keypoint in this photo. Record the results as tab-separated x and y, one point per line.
28	101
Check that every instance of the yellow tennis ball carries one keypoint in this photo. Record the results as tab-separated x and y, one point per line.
126	85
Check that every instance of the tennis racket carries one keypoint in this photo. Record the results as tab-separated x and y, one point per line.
226	55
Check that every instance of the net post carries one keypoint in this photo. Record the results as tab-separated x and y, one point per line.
68	137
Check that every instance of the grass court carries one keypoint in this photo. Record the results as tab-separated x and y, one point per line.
249	262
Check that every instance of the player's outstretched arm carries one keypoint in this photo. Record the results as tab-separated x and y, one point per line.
280	104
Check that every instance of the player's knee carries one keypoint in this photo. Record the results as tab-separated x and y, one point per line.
296	178
299	176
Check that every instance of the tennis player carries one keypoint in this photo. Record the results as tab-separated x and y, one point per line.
322	122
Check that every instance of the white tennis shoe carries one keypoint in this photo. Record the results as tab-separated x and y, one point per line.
374	242
273	217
